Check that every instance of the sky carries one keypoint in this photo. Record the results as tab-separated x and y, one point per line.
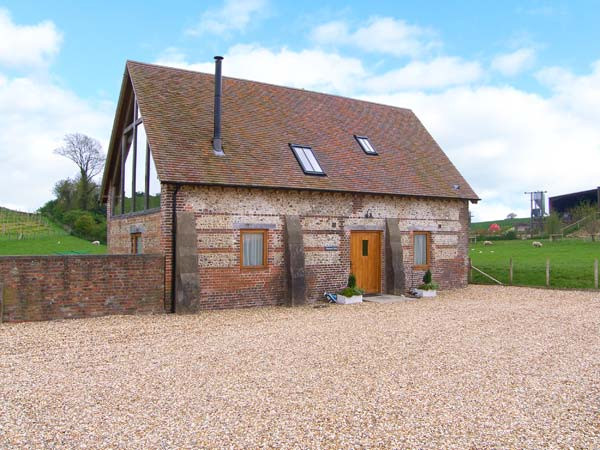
510	90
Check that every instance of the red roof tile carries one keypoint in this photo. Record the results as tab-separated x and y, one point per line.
259	121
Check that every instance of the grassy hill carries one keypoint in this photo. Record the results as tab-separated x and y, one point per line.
52	245
504	223
17	225
24	233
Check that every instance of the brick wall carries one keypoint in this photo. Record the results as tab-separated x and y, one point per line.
327	221
59	287
120	228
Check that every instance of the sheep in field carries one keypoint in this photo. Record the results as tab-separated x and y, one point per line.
536	244
96	243
488	243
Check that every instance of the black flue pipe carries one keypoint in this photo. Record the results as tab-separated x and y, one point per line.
217	142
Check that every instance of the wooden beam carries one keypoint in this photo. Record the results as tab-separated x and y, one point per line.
147	181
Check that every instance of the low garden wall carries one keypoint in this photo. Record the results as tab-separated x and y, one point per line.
61	287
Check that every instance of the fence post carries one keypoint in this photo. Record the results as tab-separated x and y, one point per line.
596	273
510	271
470	271
547	272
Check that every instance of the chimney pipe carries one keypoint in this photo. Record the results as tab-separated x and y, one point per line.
217	142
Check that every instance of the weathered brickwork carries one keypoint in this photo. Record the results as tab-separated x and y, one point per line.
61	287
120	229
327	220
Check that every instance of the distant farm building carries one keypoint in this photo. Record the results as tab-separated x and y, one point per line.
561	204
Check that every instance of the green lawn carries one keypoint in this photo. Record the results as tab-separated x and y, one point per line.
50	246
571	262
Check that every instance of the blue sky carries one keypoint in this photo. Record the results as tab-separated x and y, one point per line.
510	90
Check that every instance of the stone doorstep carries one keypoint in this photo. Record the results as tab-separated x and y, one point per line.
385	299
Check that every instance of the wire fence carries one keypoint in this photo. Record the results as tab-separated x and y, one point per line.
554	273
18	225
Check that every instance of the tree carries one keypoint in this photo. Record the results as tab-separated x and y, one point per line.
87	155
552	223
494	228
587	213
511	216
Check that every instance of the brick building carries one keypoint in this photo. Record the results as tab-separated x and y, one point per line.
260	195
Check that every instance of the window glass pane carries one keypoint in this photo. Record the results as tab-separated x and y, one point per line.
116	206
366	145
420	249
128	171
253	249
154	185
302	157
365	247
313	161
140	168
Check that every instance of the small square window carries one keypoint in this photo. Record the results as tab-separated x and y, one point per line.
365	144
307	160
253	249
136	243
421	248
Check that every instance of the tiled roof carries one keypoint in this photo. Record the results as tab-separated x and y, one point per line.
260	120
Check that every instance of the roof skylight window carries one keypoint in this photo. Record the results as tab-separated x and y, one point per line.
307	160
365	144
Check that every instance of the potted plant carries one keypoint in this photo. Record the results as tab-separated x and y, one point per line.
428	288
351	293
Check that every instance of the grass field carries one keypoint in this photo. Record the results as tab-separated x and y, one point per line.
50	246
571	262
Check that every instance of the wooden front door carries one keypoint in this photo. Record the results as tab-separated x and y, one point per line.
365	260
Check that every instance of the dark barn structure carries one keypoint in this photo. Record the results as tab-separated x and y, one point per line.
563	203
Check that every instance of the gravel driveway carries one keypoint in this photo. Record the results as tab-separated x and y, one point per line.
484	366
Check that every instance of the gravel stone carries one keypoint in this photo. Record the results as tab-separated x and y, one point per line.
478	367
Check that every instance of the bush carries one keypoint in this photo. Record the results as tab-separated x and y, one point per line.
351	292
84	225
351	289
510	235
428	284
352	281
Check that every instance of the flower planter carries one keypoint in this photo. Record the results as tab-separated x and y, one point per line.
349	300
423	293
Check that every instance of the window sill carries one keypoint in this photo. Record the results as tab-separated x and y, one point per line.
426	267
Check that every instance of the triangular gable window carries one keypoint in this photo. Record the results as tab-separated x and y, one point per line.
136	173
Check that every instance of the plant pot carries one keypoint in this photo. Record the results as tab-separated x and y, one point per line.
349	300
423	293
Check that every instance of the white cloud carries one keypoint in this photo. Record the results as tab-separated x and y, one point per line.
506	141
34	116
437	73
380	35
511	64
27	45
234	15
310	69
